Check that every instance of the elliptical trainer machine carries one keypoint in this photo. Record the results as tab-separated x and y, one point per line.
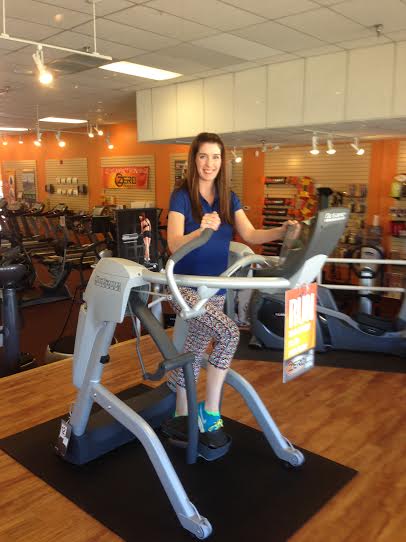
334	330
11	359
113	283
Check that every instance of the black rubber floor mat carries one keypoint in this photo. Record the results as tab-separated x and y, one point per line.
246	495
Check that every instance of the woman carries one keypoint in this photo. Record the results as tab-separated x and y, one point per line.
204	200
146	234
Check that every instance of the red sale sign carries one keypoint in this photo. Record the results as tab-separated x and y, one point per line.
126	177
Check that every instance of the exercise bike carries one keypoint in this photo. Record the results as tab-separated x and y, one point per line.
116	283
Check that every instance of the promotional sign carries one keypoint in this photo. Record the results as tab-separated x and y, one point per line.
300	331
28	182
126	177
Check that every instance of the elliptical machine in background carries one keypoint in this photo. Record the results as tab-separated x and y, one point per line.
11	359
334	329
369	274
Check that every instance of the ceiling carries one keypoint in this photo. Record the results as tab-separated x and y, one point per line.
195	38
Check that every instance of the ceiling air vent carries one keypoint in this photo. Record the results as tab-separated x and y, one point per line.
75	63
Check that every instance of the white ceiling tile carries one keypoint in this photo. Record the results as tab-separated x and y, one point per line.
400	35
37	12
74	40
327	2
240	67
390	13
127	35
285	57
212	13
326	25
162	23
164	61
317	51
236	46
279	37
275	8
28	30
8	45
211	59
364	42
102	8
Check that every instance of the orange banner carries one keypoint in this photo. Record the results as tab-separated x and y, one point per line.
300	320
126	177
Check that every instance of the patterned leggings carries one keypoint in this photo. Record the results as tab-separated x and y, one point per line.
212	325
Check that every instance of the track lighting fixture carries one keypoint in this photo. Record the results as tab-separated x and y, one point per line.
109	143
45	77
99	131
20	140
90	131
236	159
314	150
4	142
61	142
263	147
330	146
359	150
38	141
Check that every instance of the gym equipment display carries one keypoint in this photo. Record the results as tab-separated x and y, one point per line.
116	283
11	359
334	329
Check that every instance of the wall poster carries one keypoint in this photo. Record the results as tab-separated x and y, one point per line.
126	177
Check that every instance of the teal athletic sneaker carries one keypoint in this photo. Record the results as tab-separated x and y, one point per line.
208	422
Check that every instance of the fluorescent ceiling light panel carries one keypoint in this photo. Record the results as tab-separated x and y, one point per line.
5	129
138	70
63	121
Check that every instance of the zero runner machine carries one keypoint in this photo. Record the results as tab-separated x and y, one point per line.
116	282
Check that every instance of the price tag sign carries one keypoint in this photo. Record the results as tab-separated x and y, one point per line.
62	443
300	331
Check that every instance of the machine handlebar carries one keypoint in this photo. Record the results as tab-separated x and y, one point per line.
186	311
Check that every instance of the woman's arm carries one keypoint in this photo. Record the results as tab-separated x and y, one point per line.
176	227
253	236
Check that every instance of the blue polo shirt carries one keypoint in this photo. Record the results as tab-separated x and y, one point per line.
212	258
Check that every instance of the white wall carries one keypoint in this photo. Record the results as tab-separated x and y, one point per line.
360	84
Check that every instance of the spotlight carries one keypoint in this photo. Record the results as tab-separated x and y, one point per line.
109	143
5	142
20	140
356	147
90	131
99	131
61	142
236	159
330	147
45	77
314	150
38	141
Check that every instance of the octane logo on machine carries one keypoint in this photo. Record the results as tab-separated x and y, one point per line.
107	284
335	217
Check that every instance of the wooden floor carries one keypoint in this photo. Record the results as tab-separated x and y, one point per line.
356	418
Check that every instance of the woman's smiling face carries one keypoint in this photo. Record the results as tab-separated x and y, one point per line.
208	161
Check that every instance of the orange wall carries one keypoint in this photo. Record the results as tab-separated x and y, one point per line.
253	189
124	138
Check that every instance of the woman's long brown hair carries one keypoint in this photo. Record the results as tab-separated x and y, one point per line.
191	183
